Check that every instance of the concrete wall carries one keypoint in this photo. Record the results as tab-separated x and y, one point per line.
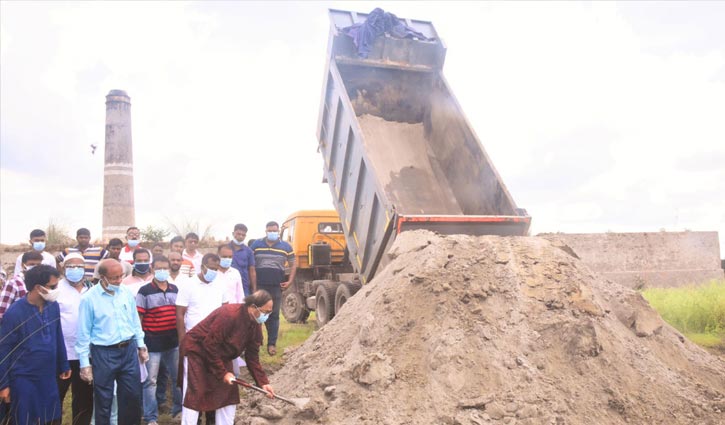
637	260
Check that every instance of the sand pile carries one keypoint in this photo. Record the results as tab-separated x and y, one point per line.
475	330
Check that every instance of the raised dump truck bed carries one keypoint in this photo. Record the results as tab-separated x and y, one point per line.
399	153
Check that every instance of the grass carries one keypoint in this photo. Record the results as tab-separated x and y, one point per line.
696	311
290	335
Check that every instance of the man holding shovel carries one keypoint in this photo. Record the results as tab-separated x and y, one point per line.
208	350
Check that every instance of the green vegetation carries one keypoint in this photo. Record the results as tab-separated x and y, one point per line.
696	311
290	335
154	234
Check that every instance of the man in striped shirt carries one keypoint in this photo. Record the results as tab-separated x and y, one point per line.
156	304
92	254
270	255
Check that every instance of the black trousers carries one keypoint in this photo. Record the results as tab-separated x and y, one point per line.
82	405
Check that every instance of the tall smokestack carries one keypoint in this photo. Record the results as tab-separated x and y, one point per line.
118	206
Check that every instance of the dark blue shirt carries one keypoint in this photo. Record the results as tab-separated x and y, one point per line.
242	260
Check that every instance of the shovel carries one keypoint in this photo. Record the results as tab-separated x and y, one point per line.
299	403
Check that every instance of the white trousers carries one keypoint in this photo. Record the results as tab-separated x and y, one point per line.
223	415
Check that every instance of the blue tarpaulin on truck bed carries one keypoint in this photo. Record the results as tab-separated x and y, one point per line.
378	23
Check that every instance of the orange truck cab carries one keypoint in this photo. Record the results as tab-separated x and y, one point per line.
318	241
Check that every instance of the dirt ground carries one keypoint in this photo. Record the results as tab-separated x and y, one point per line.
475	330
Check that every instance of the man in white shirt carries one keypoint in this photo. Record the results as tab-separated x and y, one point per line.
199	296
229	275
133	238
191	242
142	271
37	242
71	288
235	288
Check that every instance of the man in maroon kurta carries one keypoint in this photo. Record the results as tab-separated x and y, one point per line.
208	350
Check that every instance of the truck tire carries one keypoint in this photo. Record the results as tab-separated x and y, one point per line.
293	307
344	292
325	298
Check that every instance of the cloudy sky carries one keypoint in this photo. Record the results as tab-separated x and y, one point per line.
598	116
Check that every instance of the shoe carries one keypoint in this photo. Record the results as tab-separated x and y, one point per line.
272	350
152	423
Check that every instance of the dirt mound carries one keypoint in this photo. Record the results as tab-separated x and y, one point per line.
474	330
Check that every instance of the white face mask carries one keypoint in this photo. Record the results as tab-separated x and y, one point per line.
50	295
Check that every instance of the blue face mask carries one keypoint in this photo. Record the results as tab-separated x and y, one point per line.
225	263
133	243
142	268
273	236
39	246
112	288
209	275
262	316
161	275
236	242
74	275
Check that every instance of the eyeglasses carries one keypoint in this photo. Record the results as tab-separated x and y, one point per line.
264	312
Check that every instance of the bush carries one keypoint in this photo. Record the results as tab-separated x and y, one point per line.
154	234
692	309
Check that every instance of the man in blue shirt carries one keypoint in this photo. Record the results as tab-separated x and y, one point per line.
109	331
270	255
243	259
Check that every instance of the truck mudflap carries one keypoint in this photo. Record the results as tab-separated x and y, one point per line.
501	225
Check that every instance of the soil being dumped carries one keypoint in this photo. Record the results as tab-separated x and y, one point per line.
475	330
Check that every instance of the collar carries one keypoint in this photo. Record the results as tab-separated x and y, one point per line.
127	248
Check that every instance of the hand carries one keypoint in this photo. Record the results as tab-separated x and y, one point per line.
229	378
65	375
143	355
87	374
269	389
285	285
5	395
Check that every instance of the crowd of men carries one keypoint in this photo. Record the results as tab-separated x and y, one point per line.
108	323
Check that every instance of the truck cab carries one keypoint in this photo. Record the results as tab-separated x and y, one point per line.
318	241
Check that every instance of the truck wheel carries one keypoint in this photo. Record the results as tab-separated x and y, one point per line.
325	299
294	308
344	292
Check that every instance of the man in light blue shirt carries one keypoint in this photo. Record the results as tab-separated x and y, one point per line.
109	331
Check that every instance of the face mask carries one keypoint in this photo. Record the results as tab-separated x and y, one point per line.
236	242
262	316
225	263
133	243
39	246
142	268
273	236
161	275
50	295
209	275
74	275
29	267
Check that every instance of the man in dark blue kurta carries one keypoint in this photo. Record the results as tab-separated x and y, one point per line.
32	351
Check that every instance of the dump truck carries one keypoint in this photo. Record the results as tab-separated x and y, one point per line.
399	154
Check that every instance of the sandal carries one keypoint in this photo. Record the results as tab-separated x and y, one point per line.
272	350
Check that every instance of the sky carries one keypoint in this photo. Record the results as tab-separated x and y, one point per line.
599	117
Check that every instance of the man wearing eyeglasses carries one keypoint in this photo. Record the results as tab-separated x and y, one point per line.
109	330
32	351
208	351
